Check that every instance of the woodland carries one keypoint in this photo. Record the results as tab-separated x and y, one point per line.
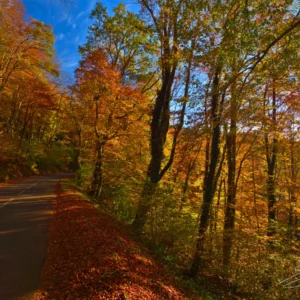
182	121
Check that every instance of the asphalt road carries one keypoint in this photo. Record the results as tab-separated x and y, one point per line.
25	214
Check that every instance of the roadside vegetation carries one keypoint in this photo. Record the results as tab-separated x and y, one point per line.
91	256
32	102
182	122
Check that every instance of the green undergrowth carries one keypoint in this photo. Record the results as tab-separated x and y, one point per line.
206	286
201	287
257	277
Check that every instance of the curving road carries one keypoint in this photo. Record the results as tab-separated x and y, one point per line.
25	213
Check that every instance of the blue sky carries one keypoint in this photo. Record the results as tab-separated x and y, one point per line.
70	21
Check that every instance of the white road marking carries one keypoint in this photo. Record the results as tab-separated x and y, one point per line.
11	199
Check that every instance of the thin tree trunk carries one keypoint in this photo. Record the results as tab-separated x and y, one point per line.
26	119
97	183
218	204
293	198
255	194
77	157
228	234
186	185
271	162
30	135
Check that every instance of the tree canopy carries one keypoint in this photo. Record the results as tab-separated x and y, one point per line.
183	121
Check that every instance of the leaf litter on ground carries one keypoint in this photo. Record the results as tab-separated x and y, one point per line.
91	256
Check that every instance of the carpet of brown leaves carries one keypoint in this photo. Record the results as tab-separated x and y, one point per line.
90	256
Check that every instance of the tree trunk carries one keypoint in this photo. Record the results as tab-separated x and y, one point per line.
168	35
254	193
271	163
228	234
216	212
29	140
144	206
186	184
159	130
292	187
97	183
210	178
77	157
26	120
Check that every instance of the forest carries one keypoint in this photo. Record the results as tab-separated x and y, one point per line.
182	121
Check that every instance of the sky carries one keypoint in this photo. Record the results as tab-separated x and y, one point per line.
70	21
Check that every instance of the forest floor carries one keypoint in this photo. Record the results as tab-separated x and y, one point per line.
91	256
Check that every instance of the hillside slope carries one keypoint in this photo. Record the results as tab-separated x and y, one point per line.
90	256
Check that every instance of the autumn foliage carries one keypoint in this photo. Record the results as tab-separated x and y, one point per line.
31	100
90	256
183	121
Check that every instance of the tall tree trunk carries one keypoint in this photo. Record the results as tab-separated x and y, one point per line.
210	177
159	129
254	193
228	234
292	187
271	155
168	35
